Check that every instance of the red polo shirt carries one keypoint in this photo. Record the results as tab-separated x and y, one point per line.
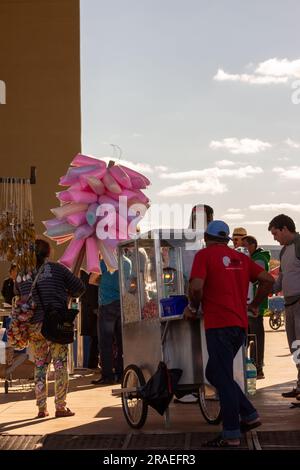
226	274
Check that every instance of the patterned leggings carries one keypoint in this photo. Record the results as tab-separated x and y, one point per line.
44	351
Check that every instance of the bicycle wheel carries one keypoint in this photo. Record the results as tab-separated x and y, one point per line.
209	404
275	321
134	408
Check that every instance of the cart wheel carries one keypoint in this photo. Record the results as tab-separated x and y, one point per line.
275	321
134	408
6	386
209	404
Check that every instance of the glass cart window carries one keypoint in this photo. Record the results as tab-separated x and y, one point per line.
130	301
148	282
169	271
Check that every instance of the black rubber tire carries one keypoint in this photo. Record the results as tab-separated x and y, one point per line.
133	371
275	325
210	418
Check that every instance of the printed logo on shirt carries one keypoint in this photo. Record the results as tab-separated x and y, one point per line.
46	273
232	263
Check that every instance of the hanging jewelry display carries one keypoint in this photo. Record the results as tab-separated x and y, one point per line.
17	234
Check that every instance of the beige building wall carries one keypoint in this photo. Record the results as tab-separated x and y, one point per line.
40	120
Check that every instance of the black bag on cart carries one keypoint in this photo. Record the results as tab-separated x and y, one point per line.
159	390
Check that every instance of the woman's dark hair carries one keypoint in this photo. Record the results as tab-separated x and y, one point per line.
42	251
281	221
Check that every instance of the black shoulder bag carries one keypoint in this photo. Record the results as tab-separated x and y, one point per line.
58	323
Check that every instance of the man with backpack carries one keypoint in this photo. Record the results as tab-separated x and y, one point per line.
283	229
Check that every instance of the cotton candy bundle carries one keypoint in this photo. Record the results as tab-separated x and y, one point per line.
96	210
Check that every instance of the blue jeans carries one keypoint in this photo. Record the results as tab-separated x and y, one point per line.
223	345
110	328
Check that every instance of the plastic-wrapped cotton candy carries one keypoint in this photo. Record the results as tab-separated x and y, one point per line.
53	222
83	196
84	231
120	176
71	253
92	255
60	230
85	160
91	216
68	209
130	172
93	183
108	201
110	183
77	219
72	175
137	182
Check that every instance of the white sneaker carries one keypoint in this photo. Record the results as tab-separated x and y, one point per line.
191	398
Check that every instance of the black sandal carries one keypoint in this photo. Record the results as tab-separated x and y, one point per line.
219	442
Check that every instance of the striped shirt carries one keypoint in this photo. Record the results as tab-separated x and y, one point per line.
55	284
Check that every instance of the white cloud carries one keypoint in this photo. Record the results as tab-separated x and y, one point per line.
208	186
240	146
283	159
252	79
141	167
233	210
233	216
275	207
161	168
225	163
291	143
279	68
271	71
214	172
292	172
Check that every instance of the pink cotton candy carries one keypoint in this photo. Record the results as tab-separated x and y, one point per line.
60	230
91	216
112	242
74	173
71	253
120	176
83	197
92	255
77	219
61	240
68	209
96	174
96	185
84	231
137	182
108	200
53	222
110	183
84	160
131	173
64	196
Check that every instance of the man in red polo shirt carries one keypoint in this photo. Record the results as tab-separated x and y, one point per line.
219	279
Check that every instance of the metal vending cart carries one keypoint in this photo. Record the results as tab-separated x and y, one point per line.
153	327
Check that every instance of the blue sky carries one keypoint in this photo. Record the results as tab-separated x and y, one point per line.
198	95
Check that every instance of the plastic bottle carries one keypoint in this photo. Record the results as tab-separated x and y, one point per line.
251	374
